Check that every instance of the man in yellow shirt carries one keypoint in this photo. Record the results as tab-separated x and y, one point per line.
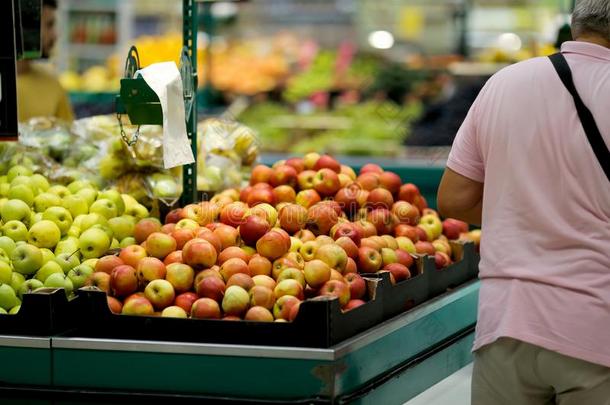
39	93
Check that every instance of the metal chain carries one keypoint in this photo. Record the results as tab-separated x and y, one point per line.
135	136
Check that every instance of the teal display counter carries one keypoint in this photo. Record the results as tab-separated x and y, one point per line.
387	364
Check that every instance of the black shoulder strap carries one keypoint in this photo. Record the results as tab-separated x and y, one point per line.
586	118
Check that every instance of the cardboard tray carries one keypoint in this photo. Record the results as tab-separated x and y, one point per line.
320	323
43	313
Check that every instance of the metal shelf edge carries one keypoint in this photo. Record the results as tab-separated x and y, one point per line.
25	342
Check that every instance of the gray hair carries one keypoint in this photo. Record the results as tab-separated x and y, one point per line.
591	17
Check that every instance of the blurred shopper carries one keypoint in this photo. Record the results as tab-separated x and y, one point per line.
38	90
528	165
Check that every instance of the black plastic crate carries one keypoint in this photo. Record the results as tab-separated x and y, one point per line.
464	269
43	313
320	323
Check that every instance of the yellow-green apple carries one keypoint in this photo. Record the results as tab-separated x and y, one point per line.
227	235
233	214
22	192
18	170
67	261
309	249
174	312
441	260
114	305
186	223
89	194
15	210
122	227
280	265
57	280
432	225
104	207
333	255
388	256
77	185
336	288
348	171
186	300
259	314
283	306
241	279
127	242
235	301
233	252
48	255
39	182
260	174
181	276
123	280
295	244
404	258
293	218
369	260
265	211
6	273
199	253
305	179
17	280
354	303
100	280
7	244
68	244
138	305
408	192
262	296
259	265
45	200
296	258
149	269
90	220
29	286
26	259
79	274
442	246
292	273
44	234
107	263
8	297
305	235
211	287
91	262
335	275
93	242
145	227
424	247
288	287
310	159
160	293
159	244
390	241
399	271
307	198
16	230
75	204
357	285
47	269
316	273
114	196
273	245
233	266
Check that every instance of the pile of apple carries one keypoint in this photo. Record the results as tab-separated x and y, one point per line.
52	234
303	228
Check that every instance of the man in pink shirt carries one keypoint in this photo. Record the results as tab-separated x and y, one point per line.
523	166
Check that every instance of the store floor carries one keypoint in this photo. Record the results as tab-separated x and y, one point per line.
454	390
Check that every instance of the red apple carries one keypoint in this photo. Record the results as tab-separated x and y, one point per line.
205	308
233	252
348	245
261	174
408	192
357	285
351	266
173	216
107	263
307	198
321	218
123	280
199	253
452	228
284	174
380	198
408	231
100	280
211	237
284	193
348	230
262	296
390	181
369	260
347	198
384	220
368	228
368	181
353	304
159	244
252	229
305	235
327	162
335	288
211	287
115	305
233	214
421	203
227	235
259	265
145	227
150	268
260	195
316	273
399	271
273	245
288	287
326	182
259	314
181	236
138	305
424	247
241	279
422	235
174	257
233	266
406	213
297	163
186	300
293	218
181	276
283	306
404	258
348	171
441	260
168	228
371	168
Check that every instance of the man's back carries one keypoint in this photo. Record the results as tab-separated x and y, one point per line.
545	254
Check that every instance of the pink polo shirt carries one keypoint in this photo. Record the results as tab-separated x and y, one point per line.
545	253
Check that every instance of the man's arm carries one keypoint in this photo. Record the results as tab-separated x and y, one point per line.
460	197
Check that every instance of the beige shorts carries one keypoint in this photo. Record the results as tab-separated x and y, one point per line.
511	372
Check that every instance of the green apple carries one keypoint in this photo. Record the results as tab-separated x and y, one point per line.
17	280
47	269
76	204
6	273
67	261
79	275
44	234
47	255
60	216
78	220
45	200
29	286
432	225
122	226
138	210
69	245
4	188
128	241
3	311
89	194
90	262
92	219
115	244
114	196
18	170
15	210
35	217
73	231
23	193
78	185
27	259
24	180
60	191
7	244
104	207
93	242
15	230
57	280
40	182
104	228
8	297
4	257
15	309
